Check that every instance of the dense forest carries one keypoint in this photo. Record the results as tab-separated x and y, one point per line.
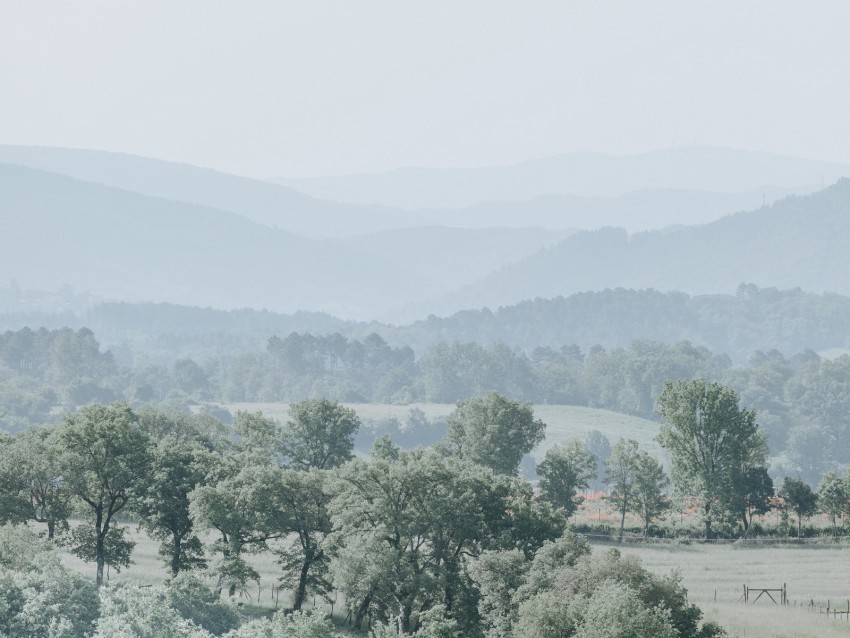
752	319
801	400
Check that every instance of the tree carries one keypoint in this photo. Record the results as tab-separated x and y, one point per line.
648	490
833	497
301	495
600	447
710	439
163	501
319	434
106	457
239	508
754	492
494	431
34	459
800	498
622	471
566	468
403	529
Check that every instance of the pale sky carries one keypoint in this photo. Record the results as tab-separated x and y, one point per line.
311	88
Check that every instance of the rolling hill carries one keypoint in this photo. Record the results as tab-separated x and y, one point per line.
265	203
798	242
123	245
710	169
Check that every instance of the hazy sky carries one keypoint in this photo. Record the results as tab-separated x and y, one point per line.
316	88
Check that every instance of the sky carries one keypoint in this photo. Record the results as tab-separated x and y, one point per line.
314	88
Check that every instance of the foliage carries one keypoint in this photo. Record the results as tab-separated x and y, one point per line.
799	498
494	431
295	625
566	468
637	483
833	496
106	458
190	597
319	434
604	596
134	612
711	441
38	597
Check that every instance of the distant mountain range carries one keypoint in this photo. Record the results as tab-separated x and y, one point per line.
753	318
798	242
707	169
581	191
262	202
129	228
123	245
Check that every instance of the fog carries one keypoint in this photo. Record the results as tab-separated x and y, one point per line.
302	89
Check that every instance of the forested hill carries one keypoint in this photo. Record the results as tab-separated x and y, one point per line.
799	241
265	203
738	325
123	245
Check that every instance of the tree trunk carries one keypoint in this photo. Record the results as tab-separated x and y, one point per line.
101	531
708	533
746	524
799	525
51	528
361	612
175	553
623	518
301	590
100	554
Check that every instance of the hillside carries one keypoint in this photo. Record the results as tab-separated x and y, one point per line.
752	319
123	245
584	174
798	242
265	203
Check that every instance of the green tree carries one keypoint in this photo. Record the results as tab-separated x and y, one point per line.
754	493
404	528
301	495
622	474
648	490
33	464
494	431
106	457
163	501
239	508
566	468
319	434
833	497
799	498
710	439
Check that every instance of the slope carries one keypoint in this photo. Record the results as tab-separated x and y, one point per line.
265	203
128	246
583	174
798	242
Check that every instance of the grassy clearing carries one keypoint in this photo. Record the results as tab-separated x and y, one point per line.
816	573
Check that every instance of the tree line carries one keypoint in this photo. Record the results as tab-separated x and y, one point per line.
801	401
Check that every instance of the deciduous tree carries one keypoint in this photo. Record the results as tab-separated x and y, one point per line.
494	431
710	438
106	457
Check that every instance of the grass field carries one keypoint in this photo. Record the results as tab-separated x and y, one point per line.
818	573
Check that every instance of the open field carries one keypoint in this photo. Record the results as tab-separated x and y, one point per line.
812	572
563	421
